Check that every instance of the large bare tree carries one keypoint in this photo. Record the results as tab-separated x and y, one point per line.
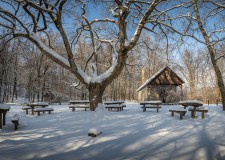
212	34
34	19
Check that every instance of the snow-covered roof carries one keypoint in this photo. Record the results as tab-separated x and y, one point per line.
165	76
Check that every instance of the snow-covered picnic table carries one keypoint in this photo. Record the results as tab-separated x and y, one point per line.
151	104
117	105
38	104
84	106
3	110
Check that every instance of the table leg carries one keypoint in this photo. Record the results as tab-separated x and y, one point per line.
181	116
172	113
26	111
194	112
32	110
157	108
0	120
4	117
144	109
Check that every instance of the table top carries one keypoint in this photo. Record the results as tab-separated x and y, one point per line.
113	105
38	104
79	101
4	107
191	103
80	105
113	102
150	102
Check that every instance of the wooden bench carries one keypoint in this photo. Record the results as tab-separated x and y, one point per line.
157	108
26	108
116	107
38	110
123	105
203	111
181	112
15	120
79	106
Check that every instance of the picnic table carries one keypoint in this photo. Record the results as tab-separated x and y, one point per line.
38	104
84	106
79	101
151	104
193	103
3	110
117	105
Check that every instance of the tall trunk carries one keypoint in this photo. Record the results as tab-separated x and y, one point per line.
95	95
192	86
217	70
219	82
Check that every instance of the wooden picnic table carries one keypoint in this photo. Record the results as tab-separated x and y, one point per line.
3	110
193	103
117	105
79	101
84	106
38	104
151	104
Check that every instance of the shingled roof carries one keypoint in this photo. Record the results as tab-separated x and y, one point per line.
165	76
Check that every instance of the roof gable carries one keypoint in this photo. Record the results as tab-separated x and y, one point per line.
165	76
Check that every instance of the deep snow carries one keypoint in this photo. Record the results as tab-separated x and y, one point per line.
127	135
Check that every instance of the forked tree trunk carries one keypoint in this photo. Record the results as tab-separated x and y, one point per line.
95	95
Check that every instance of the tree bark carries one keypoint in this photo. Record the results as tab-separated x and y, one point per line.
217	70
95	95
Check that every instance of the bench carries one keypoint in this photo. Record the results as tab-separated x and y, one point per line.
203	111
110	108
200	109
38	110
79	106
123	105
157	108
26	108
15	120
181	112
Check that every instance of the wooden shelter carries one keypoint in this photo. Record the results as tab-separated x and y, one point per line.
163	80
48	96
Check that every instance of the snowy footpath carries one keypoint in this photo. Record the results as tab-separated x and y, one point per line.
127	135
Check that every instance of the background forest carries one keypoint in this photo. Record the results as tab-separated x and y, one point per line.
25	72
86	55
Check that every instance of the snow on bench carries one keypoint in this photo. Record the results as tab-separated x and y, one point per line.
15	120
181	112
26	108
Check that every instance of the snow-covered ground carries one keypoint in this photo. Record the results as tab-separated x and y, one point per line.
127	135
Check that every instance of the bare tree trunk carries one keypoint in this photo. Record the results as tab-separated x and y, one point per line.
14	89
95	95
192	86
218	73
